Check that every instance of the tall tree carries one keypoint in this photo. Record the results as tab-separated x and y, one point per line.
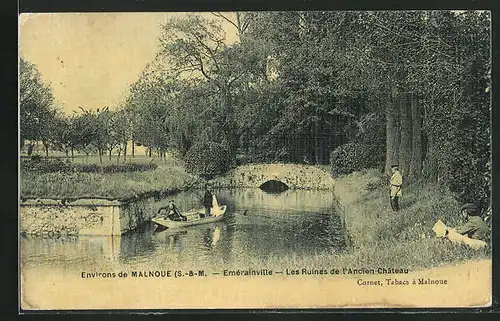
196	47
36	104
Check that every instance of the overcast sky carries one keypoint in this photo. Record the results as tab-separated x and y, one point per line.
90	59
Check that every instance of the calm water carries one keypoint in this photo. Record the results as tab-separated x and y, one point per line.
292	223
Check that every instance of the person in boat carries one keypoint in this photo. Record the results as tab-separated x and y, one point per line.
173	213
474	227
207	202
396	183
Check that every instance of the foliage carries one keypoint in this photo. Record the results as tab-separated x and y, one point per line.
41	165
348	158
367	149
36	104
207	159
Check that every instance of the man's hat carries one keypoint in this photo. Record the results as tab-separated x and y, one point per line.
471	208
394	165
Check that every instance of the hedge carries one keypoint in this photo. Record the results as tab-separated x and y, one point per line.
44	165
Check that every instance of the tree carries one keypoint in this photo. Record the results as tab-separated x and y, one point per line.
36	105
196	47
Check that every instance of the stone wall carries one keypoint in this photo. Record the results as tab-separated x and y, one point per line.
82	217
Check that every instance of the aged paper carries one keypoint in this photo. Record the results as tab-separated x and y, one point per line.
255	160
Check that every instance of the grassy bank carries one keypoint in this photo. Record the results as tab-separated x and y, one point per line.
170	175
381	237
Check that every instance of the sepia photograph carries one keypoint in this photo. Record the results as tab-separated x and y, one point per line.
255	160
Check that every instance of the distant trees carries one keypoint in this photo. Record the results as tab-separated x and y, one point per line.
36	106
42	121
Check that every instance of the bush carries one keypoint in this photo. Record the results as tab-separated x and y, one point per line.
207	159
40	165
119	168
347	158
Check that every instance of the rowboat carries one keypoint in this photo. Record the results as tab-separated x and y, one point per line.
193	218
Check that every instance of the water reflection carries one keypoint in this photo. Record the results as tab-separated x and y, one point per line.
257	225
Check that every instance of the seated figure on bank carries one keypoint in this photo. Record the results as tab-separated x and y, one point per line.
473	233
474	227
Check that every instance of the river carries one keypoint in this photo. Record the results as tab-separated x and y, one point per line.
259	229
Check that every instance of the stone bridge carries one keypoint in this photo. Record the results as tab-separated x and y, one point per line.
294	176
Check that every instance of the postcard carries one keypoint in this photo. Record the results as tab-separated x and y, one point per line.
255	160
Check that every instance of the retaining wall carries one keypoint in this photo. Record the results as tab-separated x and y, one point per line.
83	216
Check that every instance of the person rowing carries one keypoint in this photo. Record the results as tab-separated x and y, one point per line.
173	213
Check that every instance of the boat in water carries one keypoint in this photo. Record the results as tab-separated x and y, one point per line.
193	218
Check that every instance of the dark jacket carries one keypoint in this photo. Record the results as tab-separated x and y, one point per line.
207	199
474	228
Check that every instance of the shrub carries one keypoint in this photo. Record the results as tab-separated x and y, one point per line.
207	159
347	158
36	157
118	168
41	166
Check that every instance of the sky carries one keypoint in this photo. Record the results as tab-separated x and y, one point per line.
90	59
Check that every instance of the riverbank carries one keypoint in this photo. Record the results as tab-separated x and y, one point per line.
405	239
379	237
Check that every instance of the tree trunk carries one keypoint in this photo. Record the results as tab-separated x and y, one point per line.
416	151
316	141
100	156
110	151
118	156
392	132
149	151
30	149
405	147
72	154
46	147
124	152
133	148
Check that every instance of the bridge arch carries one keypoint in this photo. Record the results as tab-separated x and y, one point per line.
274	186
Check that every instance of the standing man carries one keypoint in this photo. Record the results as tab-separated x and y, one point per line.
207	202
396	182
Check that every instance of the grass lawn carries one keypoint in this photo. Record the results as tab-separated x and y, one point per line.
169	175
